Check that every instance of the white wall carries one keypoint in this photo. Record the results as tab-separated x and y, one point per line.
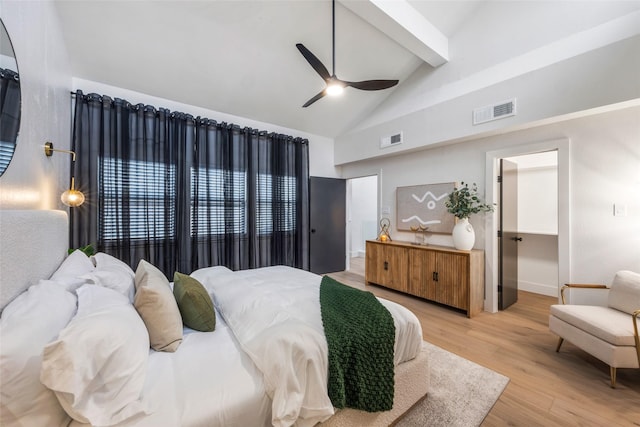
32	180
504	40
538	264
538	192
459	162
604	169
594	79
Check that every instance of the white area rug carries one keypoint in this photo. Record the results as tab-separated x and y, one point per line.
461	393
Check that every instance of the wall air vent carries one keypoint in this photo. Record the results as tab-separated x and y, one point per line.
391	140
494	112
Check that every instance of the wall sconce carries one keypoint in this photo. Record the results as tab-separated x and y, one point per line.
71	197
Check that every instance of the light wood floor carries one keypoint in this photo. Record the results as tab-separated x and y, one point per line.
569	388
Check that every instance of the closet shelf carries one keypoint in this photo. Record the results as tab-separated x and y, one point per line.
540	233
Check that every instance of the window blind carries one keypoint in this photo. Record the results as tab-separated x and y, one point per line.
218	202
137	200
6	153
276	203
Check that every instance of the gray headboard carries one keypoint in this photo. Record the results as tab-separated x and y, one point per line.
33	243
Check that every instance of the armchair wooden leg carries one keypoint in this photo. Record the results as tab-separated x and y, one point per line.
560	341
613	376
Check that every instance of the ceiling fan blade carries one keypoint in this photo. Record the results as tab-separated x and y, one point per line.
314	62
315	98
372	84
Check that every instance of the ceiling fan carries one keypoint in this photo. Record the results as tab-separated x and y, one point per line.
335	86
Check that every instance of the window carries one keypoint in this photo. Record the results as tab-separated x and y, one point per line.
218	201
220	197
139	199
275	211
6	153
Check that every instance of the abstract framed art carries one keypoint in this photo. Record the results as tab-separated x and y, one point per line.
423	205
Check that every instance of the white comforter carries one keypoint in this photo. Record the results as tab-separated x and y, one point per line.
274	313
208	382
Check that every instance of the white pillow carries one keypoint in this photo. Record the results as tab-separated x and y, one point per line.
112	273
98	365
116	280
28	323
625	292
72	269
107	262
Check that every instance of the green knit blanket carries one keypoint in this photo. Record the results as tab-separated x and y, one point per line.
361	335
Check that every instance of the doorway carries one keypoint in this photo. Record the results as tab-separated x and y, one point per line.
528	238
362	219
561	243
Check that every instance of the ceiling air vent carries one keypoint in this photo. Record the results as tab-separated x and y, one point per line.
388	141
494	112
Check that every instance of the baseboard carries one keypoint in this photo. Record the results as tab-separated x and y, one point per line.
538	288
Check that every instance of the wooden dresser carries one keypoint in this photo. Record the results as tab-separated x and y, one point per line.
436	273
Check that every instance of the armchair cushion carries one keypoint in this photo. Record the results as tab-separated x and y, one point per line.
625	292
608	324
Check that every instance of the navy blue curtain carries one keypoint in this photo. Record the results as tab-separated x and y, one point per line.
185	193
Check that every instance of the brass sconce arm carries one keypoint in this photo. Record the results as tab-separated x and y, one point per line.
48	151
70	197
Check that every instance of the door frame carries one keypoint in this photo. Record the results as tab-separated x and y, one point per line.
378	174
492	170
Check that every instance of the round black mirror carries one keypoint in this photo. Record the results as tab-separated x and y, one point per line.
9	99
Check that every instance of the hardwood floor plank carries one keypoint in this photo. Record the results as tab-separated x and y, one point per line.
569	388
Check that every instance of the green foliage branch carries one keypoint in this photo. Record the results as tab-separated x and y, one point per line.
464	201
88	250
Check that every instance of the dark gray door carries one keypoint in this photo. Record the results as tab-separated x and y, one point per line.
508	284
328	224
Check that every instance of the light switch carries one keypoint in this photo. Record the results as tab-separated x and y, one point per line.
385	210
619	209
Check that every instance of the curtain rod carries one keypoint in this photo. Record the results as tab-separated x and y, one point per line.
265	132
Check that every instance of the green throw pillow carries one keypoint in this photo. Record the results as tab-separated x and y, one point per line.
194	303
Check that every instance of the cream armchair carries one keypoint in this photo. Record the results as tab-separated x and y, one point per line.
608	331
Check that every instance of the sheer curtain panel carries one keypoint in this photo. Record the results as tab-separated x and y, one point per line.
184	192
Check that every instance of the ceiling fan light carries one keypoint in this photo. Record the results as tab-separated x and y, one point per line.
335	86
335	89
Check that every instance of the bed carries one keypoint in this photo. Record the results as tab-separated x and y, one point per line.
209	381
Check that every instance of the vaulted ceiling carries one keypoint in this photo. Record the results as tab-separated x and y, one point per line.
240	57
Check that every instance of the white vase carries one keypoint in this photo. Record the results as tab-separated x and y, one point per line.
463	235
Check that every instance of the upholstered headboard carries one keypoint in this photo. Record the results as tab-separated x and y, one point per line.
33	243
